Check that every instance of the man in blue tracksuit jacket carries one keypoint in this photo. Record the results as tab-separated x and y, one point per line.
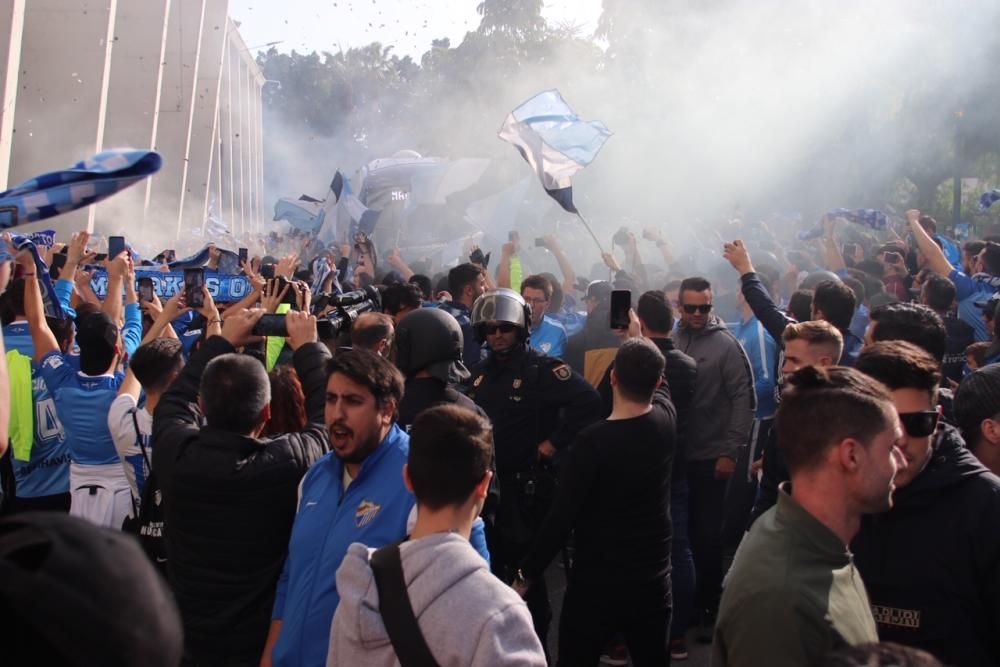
353	494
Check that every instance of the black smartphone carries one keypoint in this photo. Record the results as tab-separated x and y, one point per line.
267	271
146	292
540	243
850	249
100	257
243	256
893	258
621	303
169	255
58	261
194	280
270	325
342	268
116	246
291	296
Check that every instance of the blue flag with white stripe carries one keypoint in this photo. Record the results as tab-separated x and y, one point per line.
85	183
554	141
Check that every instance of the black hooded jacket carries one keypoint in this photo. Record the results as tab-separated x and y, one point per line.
931	564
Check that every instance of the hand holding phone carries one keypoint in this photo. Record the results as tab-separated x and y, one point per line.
146	292
194	280
116	246
621	303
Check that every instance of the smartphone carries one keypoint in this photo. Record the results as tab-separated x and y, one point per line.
194	280
539	243
271	325
342	268
116	246
513	236
146	289
100	257
893	258
58	261
621	303
169	255
291	296
267	271
850	249
243	256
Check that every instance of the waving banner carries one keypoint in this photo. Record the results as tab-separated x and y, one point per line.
224	288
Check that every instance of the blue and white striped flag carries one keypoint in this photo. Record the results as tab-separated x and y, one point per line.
987	198
554	141
344	215
85	183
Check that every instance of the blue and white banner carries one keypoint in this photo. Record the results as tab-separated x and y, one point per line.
987	198
869	217
554	141
87	182
46	238
223	288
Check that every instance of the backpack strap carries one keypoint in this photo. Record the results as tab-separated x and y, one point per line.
137	502
397	611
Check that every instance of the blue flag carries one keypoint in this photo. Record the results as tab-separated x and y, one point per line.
987	198
83	184
554	141
863	216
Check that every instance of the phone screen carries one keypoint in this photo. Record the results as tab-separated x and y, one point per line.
267	271
243	256
116	246
146	289
169	256
194	279
621	302
270	325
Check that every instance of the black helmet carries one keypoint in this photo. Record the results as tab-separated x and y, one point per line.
500	305
430	339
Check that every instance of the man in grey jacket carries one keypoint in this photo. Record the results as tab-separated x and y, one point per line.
720	417
466	615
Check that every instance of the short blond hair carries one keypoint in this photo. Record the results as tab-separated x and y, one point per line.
816	332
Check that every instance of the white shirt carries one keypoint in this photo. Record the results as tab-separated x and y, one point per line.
123	433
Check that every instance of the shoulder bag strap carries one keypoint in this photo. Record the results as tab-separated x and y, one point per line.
396	610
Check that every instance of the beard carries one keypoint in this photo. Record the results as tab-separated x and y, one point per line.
361	448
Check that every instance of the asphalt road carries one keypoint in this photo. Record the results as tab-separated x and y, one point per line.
555	577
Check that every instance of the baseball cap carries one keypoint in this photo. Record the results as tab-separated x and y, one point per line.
96	331
78	594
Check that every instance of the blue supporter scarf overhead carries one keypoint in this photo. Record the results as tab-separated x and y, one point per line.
85	183
554	141
49	300
224	288
987	198
869	217
229	261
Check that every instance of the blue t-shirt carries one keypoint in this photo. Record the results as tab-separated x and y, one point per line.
46	472
82	403
549	338
762	353
969	290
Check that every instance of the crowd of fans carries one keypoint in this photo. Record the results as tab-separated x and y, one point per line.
787	449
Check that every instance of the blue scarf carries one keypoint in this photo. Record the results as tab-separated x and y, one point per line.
49	300
863	216
987	198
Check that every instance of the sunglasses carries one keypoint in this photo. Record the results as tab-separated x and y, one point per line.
919	424
691	309
502	327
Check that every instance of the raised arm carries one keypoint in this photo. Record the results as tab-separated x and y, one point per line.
936	260
397	263
117	271
754	292
832	257
164	316
507	250
565	268
41	335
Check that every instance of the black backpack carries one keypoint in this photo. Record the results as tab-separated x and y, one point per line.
146	522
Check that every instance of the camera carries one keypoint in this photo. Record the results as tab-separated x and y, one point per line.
347	308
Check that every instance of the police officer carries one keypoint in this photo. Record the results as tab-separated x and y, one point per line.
429	344
537	405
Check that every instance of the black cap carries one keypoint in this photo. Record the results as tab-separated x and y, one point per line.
96	331
87	594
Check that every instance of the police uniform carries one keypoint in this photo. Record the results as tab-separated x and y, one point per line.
530	398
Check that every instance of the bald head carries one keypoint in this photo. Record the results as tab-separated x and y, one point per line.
373	332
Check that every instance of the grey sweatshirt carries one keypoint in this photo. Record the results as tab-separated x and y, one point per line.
467	615
724	401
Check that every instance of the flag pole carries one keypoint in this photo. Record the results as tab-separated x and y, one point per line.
592	235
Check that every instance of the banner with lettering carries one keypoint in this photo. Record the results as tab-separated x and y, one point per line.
224	288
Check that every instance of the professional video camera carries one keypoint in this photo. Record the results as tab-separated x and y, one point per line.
339	312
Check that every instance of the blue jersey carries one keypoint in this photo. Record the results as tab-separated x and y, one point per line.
46	472
762	353
968	291
549	338
82	403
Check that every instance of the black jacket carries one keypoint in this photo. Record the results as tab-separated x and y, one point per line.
229	502
531	397
931	564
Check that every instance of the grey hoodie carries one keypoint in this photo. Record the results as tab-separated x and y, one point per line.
467	615
724	401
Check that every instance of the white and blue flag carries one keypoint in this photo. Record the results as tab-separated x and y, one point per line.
85	183
554	141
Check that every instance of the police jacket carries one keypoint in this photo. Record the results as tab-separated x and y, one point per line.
931	564
229	502
531	398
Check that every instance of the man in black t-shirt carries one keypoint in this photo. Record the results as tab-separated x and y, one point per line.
614	493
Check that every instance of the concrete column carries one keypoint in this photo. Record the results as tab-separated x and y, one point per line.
135	77
62	96
11	31
174	113
204	115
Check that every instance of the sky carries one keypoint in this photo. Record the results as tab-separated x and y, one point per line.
409	25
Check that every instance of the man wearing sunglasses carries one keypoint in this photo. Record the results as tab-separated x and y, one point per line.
718	429
931	564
